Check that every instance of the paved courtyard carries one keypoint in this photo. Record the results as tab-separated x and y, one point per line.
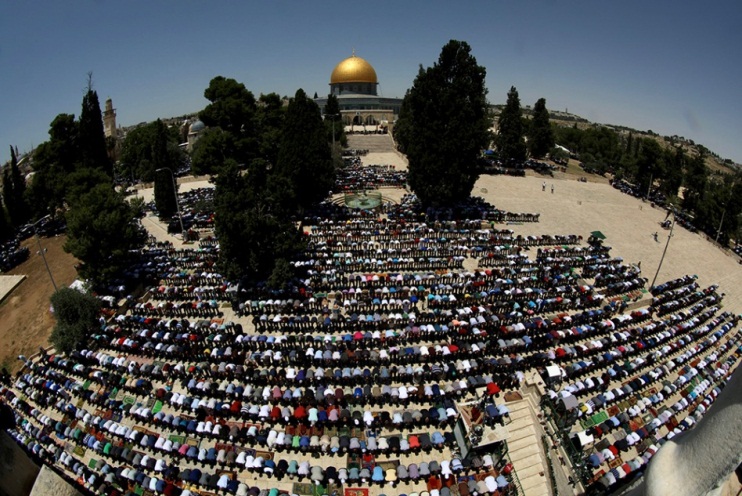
574	208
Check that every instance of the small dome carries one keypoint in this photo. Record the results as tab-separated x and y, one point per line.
353	70
197	127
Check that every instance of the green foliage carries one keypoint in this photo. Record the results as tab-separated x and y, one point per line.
540	134
165	194
53	160
332	108
14	188
92	139
77	314
402	131
304	159
335	129
281	275
212	150
232	109
252	226
510	143
444	125
102	232
695	181
73	160
148	148
81	181
649	164
270	117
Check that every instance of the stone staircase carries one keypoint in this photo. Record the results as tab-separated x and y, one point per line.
526	449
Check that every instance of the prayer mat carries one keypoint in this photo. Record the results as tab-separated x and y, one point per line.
387	464
92	463
354	461
303	488
177	439
157	407
267	455
513	396
360	491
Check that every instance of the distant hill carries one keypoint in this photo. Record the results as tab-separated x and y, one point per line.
714	162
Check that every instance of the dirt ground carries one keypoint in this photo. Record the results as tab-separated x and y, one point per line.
25	320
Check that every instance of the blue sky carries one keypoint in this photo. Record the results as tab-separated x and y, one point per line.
673	67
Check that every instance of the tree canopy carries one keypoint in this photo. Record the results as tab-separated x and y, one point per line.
14	188
76	149
304	158
165	194
510	130
94	152
102	232
77	314
148	148
443	126
270	116
253	227
232	110
540	134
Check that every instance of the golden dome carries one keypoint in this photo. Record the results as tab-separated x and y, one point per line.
353	70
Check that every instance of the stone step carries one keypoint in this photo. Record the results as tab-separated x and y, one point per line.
525	451
529	461
532	471
516	444
524	413
518	405
534	486
520	423
521	433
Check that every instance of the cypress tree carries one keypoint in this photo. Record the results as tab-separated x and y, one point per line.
14	188
164	194
444	126
540	136
92	139
304	159
510	143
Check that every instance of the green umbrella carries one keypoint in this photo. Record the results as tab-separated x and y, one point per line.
597	234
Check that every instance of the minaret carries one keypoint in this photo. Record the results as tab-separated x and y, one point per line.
109	120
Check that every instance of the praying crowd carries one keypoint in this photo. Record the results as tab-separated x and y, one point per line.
354	377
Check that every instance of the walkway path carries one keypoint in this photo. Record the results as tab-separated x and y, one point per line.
526	449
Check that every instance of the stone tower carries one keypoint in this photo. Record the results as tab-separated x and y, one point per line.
109	120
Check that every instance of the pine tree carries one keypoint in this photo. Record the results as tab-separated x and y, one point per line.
102	233
444	126
510	143
540	135
92	139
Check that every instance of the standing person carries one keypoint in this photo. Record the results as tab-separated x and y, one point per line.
552	189
543	186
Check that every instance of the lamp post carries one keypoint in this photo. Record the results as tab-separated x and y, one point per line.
41	250
177	202
726	204
718	232
333	127
669	236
